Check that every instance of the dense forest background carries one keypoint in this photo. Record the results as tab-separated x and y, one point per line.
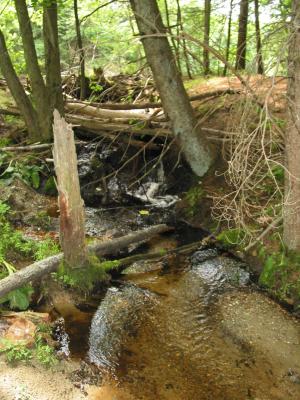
110	35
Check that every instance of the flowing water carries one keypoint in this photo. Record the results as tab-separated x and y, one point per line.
208	334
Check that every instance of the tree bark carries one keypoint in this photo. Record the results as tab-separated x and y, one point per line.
207	11
260	64
175	101
291	211
242	36
40	268
83	85
52	58
39	92
184	48
72	227
17	91
228	38
175	47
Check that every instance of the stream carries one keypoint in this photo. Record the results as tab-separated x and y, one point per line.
188	328
198	329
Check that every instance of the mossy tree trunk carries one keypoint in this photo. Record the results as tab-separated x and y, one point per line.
174	98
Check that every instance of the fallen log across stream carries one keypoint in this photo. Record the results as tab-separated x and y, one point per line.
40	268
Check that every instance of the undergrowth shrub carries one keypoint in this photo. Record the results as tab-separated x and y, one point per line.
13	244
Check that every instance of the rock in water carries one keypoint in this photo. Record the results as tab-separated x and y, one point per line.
118	317
220	272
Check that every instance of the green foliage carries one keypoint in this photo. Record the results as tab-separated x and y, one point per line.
45	248
278	173
12	242
281	273
193	198
44	353
84	278
41	352
16	352
5	142
30	173
231	237
50	186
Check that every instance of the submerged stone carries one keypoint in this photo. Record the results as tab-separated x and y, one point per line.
118	317
203	255
220	272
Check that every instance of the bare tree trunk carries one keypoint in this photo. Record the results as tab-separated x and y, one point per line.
260	65
291	225
169	84
52	57
17	91
228	38
178	40
185	53
174	44
39	92
242	36
83	86
38	113
207	11
72	227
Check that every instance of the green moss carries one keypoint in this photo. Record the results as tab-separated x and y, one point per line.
193	200
85	277
281	274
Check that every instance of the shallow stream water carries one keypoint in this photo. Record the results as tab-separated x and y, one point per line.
208	335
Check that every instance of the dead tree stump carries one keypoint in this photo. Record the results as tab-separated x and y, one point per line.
72	218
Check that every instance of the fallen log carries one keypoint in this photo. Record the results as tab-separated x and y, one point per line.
4	111
142	106
32	147
97	125
40	268
98	112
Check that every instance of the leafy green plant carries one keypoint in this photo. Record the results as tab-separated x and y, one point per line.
15	352
281	272
44	353
12	242
5	142
45	248
29	173
41	351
